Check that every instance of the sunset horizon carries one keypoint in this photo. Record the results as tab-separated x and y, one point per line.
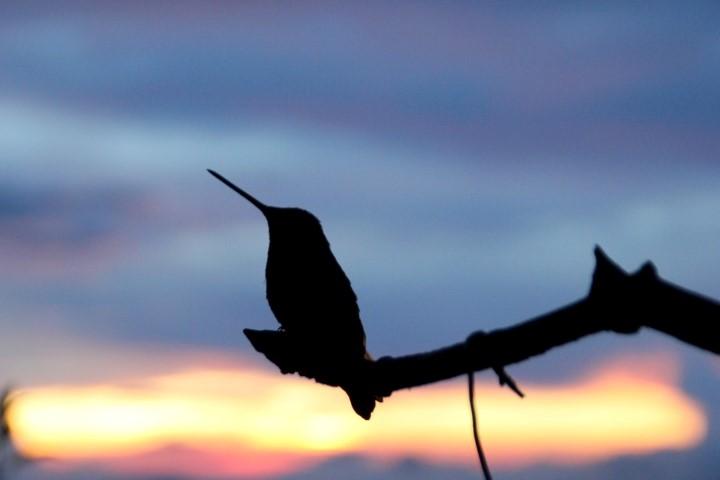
246	421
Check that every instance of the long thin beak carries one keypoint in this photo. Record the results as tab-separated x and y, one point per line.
261	206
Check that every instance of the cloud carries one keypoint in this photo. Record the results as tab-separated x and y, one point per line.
212	411
464	160
136	213
486	78
61	231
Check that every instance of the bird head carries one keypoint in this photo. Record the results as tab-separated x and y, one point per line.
285	222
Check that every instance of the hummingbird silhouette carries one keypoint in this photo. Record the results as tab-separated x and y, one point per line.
312	299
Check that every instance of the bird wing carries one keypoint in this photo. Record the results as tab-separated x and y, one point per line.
314	299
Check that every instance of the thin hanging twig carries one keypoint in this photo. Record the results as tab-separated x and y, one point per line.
476	435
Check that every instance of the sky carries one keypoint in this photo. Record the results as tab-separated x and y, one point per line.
464	159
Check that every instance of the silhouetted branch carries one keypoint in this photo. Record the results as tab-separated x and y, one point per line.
617	302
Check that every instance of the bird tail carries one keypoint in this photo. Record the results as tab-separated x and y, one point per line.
362	400
361	395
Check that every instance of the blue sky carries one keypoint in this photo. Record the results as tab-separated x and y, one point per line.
464	159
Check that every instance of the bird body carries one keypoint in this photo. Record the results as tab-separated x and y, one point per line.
312	298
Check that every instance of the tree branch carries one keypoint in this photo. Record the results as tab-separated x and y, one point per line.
617	302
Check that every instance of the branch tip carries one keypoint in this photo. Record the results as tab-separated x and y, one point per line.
506	380
648	271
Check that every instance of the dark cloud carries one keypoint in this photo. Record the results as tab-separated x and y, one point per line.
71	226
481	75
54	231
105	259
62	220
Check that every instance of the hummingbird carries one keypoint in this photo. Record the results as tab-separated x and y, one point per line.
313	300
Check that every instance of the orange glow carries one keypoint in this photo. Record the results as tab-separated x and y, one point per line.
611	413
253	422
